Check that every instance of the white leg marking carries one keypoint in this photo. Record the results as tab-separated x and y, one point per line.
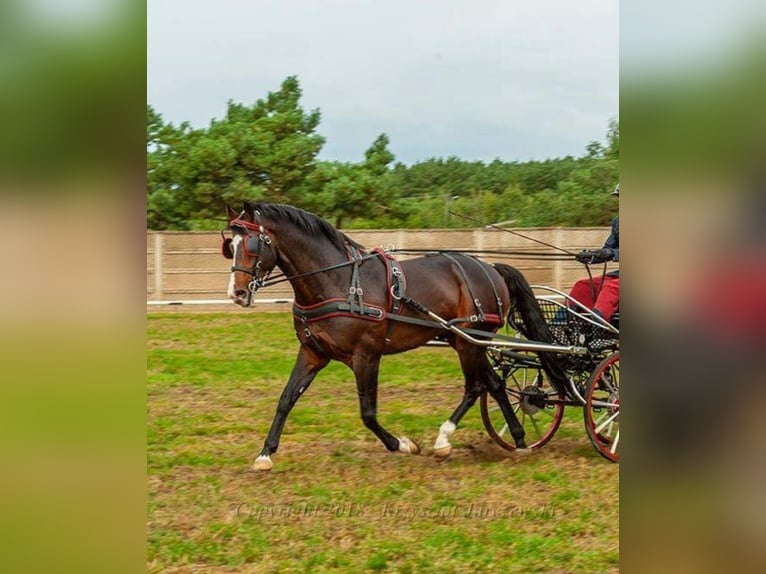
442	441
408	446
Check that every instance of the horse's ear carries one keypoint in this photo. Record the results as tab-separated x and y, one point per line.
231	213
248	209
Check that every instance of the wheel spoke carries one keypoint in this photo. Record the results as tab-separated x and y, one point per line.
598	421
529	393
613	447
602	409
608	421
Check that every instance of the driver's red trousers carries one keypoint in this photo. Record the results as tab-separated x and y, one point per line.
601	294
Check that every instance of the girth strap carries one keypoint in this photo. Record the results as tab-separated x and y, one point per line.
479	312
494	290
355	290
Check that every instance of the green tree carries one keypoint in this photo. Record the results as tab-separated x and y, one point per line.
613	139
268	151
164	160
355	194
264	151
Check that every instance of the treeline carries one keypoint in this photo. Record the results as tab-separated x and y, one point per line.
268	152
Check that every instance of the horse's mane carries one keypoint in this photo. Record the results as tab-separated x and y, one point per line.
306	221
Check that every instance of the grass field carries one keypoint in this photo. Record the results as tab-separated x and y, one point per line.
336	499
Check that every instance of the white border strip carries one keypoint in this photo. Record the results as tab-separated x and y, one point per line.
215	302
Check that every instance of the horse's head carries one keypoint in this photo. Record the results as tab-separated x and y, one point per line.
252	253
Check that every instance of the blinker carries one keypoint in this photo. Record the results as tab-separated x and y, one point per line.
226	249
252	246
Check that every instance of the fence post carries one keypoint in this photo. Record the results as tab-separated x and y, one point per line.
158	247
557	271
478	239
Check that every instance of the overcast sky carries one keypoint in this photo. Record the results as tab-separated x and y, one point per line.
477	79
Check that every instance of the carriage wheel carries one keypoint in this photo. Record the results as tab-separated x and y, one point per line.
602	407
537	405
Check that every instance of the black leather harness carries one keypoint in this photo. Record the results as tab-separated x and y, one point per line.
396	285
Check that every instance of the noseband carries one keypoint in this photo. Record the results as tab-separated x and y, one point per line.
254	244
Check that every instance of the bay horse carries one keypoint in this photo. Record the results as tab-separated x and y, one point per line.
355	305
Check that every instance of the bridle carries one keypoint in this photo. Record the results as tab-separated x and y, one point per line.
255	242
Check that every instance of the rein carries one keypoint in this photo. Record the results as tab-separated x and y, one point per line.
281	278
534	255
554	256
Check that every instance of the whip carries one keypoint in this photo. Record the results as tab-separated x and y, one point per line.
512	232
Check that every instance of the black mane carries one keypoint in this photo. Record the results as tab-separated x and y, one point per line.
306	221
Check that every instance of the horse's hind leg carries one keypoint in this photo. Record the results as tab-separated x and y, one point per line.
366	373
496	388
442	446
306	367
478	374
471	364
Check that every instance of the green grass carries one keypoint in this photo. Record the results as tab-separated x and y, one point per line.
336	500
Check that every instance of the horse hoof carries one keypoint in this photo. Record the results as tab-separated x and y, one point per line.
443	452
263	463
523	451
408	445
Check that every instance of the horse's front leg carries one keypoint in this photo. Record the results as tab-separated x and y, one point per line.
366	372
306	367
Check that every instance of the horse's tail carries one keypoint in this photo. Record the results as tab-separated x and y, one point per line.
523	299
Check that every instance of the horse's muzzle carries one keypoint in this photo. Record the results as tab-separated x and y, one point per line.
242	297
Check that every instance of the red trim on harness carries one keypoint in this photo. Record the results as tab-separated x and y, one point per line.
493	318
338	313
246	224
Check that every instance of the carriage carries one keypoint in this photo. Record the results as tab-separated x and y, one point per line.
355	305
593	372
